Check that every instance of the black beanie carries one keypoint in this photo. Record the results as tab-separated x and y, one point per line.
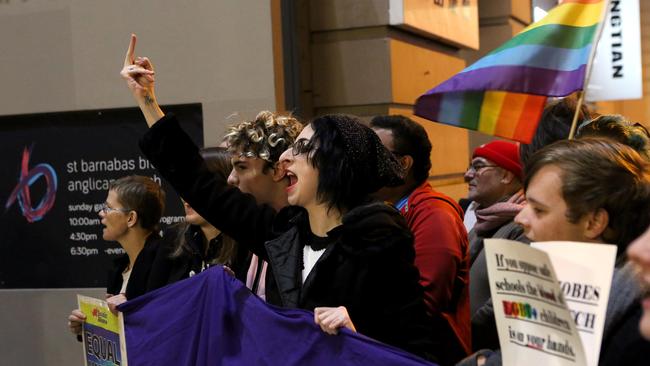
377	166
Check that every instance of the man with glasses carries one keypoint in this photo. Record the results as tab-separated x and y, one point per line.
594	191
495	178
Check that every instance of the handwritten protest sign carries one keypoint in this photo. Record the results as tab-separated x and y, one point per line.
585	274
535	326
102	338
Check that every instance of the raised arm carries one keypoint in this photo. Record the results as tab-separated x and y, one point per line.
177	159
140	78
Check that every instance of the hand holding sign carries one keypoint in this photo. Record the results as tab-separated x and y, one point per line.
75	321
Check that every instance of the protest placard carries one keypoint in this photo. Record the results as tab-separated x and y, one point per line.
534	324
585	273
102	334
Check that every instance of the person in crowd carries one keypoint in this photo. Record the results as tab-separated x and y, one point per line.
595	190
255	147
130	216
441	246
333	251
617	128
495	187
194	245
598	191
639	254
554	125
486	187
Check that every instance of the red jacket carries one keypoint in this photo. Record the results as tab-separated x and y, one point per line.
441	256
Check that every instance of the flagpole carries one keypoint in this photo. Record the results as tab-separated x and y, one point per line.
592	54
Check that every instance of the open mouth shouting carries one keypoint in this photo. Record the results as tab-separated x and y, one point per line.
291	180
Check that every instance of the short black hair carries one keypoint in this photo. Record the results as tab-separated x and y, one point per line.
351	161
409	138
337	180
554	125
142	195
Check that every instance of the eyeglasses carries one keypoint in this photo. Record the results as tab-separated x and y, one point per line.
476	167
303	146
105	209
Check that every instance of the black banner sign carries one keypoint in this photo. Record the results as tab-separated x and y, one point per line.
56	168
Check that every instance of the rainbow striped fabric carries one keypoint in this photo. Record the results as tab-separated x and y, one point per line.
504	93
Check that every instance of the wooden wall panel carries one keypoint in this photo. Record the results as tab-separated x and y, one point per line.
415	69
351	72
522	10
366	62
346	14
452	22
371	71
519	9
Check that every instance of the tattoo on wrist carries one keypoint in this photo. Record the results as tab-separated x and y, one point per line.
148	99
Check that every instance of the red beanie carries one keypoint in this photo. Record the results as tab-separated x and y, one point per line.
504	154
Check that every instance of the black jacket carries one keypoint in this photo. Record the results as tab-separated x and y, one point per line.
140	280
368	269
622	342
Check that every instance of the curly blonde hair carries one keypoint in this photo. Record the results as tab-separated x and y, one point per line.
266	137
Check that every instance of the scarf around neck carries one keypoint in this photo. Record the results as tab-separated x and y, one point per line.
500	213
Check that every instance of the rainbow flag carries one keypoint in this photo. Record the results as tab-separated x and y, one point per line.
504	93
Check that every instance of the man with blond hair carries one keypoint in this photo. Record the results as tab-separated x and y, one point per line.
255	148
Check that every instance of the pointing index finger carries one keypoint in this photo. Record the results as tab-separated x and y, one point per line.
129	59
